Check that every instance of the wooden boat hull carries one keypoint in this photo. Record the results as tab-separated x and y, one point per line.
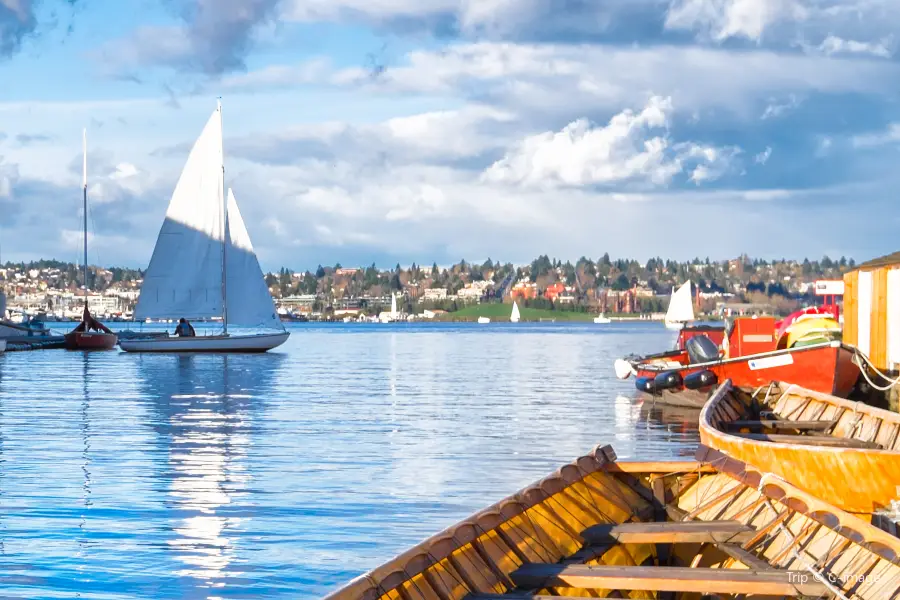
827	368
209	343
601	528
94	340
858	480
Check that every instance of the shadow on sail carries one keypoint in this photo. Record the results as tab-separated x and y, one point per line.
205	410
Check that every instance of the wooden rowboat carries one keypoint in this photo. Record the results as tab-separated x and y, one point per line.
676	530
846	452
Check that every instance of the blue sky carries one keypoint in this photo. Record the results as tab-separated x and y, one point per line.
387	131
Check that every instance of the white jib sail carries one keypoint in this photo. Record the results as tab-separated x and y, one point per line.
249	301
681	305
184	278
514	317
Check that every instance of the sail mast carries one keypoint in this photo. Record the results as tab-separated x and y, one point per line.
84	190
226	234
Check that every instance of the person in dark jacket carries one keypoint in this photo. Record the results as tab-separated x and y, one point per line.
184	329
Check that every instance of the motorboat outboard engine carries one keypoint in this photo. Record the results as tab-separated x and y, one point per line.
701	349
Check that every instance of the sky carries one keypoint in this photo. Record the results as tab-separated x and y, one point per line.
360	131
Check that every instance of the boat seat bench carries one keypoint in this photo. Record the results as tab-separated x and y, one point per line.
783	424
809	440
776	582
669	532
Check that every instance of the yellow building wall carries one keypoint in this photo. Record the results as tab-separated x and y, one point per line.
854	308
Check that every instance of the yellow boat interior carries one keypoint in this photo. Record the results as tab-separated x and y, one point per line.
835	449
601	528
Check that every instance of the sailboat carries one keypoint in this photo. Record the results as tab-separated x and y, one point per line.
514	317
602	319
90	334
203	266
681	307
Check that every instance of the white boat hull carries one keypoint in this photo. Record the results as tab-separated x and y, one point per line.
602	320
483	320
208	343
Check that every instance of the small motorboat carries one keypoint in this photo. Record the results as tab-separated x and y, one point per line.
598	527
602	320
483	320
750	356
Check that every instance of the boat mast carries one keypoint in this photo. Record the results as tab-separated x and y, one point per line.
84	190
226	235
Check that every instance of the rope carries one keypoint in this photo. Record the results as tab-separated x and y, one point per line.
860	357
793	542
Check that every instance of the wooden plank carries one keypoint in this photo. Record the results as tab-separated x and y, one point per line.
851	306
672	579
783	424
878	340
682	532
647	467
809	440
744	556
521	596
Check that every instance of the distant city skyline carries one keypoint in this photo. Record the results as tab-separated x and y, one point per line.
360	132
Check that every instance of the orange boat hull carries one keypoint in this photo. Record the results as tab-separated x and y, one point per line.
857	480
828	369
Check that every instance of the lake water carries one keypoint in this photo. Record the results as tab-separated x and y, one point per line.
285	475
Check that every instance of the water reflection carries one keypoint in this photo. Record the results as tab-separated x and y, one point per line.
206	409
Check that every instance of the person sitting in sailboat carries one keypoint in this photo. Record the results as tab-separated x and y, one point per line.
184	329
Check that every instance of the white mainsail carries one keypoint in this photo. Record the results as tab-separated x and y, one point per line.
514	317
393	306
186	277
681	306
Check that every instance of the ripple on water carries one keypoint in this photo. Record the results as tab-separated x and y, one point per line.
286	474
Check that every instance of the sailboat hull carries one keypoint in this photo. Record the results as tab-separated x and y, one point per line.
209	343
79	340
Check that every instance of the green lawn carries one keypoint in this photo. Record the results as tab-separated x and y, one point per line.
501	312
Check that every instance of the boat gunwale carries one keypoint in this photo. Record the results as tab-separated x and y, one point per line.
417	560
639	364
706	425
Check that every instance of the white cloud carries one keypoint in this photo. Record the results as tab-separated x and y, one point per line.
776	108
835	45
890	135
624	150
723	19
763	157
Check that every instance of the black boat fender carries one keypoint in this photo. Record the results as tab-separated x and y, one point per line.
700	379
668	380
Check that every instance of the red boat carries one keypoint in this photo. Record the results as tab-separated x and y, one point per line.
749	357
91	334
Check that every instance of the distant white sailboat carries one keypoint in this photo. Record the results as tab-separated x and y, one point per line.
514	317
681	307
203	266
393	307
602	319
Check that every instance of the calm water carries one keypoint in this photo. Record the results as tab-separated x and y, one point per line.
284	475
